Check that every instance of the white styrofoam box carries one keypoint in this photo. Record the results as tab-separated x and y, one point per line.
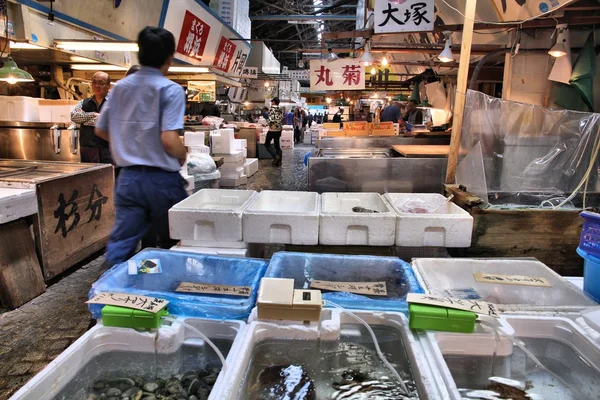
189	181
231	157
214	243
210	215
450	226
19	108
232	166
222	141
328	332
287	128
199	149
307	139
245	152
229	182
232	173
339	225
283	217
240	144
135	347
17	203
559	341
287	135
193	138
443	277
251	166
225	252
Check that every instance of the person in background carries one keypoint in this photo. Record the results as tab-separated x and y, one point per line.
290	117
210	110
304	120
392	113
310	118
360	115
265	113
326	116
274	134
297	125
413	114
142	121
338	116
319	118
132	70
86	112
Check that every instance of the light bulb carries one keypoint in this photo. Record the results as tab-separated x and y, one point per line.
12	81
348	99
373	71
266	84
384	61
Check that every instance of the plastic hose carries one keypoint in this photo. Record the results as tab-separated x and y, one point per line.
377	349
202	336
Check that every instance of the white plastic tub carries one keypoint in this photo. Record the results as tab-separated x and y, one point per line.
558	343
450	226
452	276
339	225
277	342
17	203
210	215
283	217
103	352
19	108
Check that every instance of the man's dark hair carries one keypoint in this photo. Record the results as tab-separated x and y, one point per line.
132	70
413	102
156	46
276	101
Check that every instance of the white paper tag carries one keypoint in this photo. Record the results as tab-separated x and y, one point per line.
369	288
143	303
476	306
190	287
512	279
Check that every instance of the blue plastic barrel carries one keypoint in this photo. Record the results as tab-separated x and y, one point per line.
591	274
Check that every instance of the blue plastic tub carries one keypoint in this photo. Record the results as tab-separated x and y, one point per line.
187	267
591	274
303	267
590	234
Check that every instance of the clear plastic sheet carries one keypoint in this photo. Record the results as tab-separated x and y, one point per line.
532	156
180	267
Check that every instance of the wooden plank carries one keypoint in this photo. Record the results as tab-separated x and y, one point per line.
461	198
76	214
461	89
20	274
422	150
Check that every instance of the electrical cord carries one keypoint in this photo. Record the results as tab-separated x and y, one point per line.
377	349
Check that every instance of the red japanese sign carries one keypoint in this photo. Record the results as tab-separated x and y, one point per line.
193	37
224	54
342	74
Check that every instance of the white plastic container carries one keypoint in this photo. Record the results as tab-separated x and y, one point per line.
222	142
233	182
137	351
233	157
199	149
559	343
215	251
19	108
17	203
251	166
449	226
210	215
333	325
452	276
231	173
194	138
339	225
283	217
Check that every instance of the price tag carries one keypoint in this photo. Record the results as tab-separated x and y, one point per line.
512	279
189	287
476	306
370	288
143	303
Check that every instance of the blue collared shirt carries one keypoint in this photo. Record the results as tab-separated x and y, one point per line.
141	106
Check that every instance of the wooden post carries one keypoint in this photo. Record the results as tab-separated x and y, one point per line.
461	89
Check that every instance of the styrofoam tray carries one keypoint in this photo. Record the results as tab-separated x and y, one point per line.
100	340
441	275
574	347
450	226
329	329
282	217
339	225
16	203
210	215
233	182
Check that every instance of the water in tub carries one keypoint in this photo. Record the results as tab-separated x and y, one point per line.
190	371
320	370
563	374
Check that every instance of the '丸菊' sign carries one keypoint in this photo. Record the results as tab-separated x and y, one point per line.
404	16
341	74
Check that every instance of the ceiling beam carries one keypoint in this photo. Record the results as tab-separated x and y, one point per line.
348	35
323	17
429	49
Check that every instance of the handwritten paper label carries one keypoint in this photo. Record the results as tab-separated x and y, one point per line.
143	303
189	287
512	279
370	288
476	306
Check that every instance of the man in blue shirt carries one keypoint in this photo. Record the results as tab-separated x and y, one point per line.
392	113
141	121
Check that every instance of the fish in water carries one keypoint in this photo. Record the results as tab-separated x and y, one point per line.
285	382
356	385
358	209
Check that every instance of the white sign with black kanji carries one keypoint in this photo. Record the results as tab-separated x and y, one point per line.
404	16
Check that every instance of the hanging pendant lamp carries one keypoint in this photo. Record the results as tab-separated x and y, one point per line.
12	74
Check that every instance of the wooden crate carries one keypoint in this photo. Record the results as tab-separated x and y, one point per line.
551	236
75	216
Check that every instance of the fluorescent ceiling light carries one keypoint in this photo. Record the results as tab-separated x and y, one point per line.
83	59
96	45
303	22
190	70
96	67
24	45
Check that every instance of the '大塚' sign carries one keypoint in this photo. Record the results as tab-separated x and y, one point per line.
341	74
404	16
